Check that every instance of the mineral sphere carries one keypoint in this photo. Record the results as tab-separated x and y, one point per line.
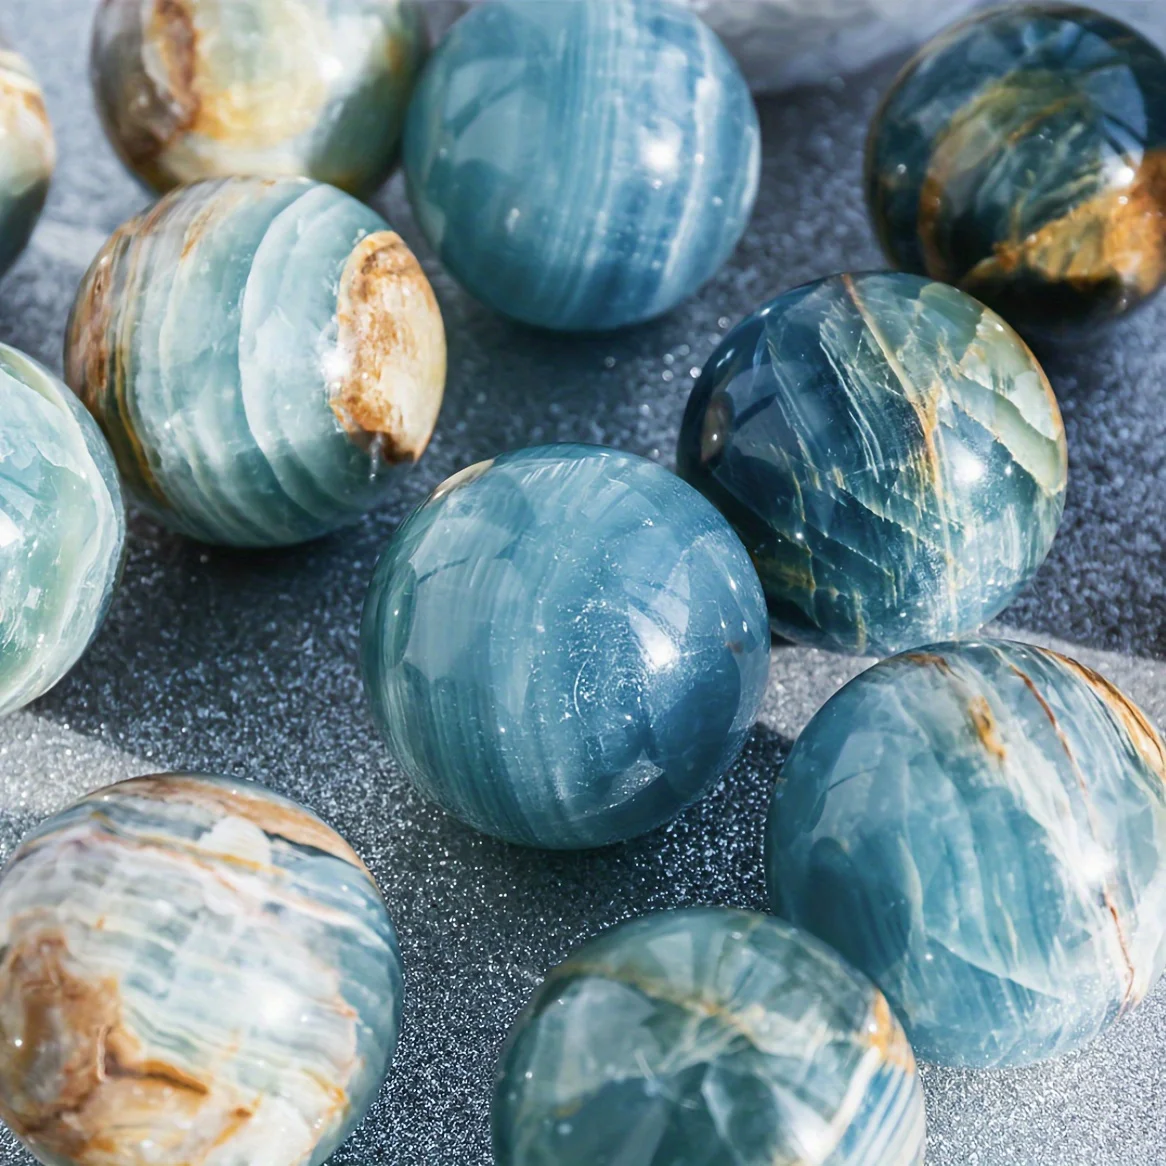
565	646
582	164
194	89
192	969
62	529
981	829
707	1035
261	354
889	451
28	154
1022	157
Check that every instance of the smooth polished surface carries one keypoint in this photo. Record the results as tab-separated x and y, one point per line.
193	89
565	646
62	529
260	354
581	165
217	662
191	970
707	1036
1022	156
28	153
891	454
982	830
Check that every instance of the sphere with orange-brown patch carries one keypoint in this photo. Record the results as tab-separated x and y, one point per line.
1022	157
192	969
263	355
194	89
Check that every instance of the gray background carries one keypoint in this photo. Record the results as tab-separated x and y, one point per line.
246	664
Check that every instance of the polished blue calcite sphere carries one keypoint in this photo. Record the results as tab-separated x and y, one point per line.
707	1036
981	828
62	529
28	153
194	89
565	646
191	970
582	164
262	354
889	451
1022	157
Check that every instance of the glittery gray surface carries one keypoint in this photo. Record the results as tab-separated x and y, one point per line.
246	664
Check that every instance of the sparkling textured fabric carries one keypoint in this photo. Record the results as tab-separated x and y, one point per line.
247	664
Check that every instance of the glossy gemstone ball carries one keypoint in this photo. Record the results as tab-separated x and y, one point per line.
981	828
582	164
62	529
194	89
191	970
565	646
1022	157
707	1035
889	451
261	354
28	153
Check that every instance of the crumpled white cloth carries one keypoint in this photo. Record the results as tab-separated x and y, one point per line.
783	43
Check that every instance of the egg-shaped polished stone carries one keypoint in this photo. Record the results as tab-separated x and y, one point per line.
261	354
705	1036
582	164
28	153
194	89
565	646
62	529
1022	157
981	828
889	451
192	969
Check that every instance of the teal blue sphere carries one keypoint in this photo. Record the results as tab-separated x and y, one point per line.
581	165
706	1036
890	452
981	829
264	355
565	646
62	529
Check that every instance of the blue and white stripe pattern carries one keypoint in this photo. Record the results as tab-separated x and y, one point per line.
707	1035
195	89
260	353
565	646
62	529
28	153
191	970
582	164
981	828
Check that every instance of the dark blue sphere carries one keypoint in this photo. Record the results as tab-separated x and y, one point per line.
890	453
